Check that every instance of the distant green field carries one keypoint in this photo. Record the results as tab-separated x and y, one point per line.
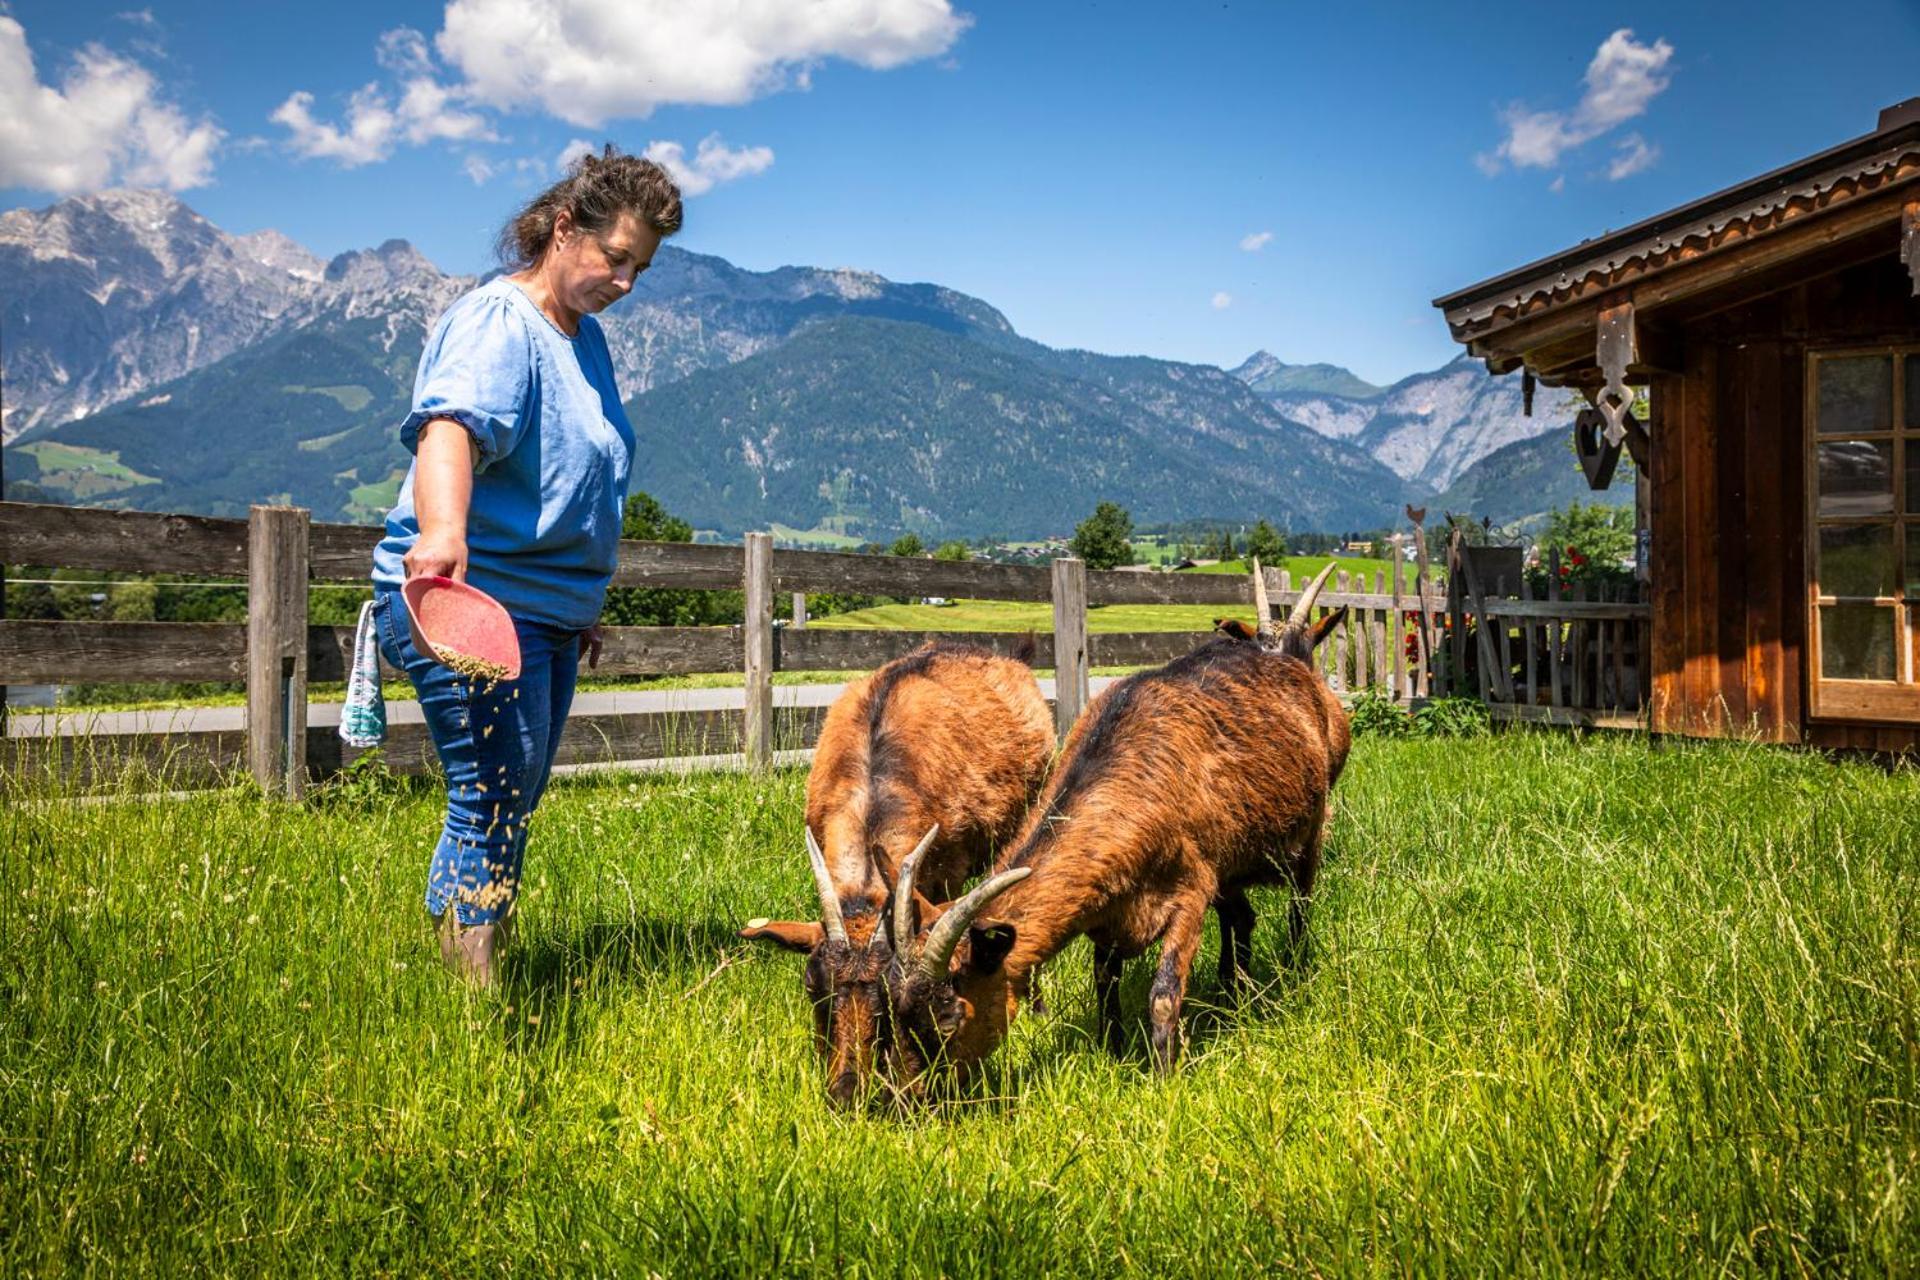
352	397
819	538
317	443
1304	567
374	500
1010	615
84	472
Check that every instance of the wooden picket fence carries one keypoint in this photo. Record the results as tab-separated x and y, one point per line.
276	653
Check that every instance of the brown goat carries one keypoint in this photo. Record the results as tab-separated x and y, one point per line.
1178	789
937	754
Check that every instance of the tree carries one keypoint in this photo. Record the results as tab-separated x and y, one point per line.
1595	542
955	550
1266	544
907	544
644	518
1104	539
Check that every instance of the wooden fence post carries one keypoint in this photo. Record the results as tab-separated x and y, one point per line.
277	649
1397	630
758	725
799	611
1069	642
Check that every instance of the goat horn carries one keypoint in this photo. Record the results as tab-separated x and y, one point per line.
829	896
1303	610
903	890
1263	611
947	930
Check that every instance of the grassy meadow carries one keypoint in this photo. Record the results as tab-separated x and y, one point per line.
1573	1006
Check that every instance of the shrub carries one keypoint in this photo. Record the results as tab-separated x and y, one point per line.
1374	713
1452	718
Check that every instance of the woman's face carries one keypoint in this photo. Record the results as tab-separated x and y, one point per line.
590	270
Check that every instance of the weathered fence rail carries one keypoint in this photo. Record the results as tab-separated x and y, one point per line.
1581	653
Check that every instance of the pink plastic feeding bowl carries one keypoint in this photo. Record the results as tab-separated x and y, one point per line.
462	627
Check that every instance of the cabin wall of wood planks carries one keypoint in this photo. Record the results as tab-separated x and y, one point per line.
1729	535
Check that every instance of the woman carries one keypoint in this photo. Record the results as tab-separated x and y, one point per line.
521	460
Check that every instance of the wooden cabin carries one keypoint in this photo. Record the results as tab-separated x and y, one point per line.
1776	329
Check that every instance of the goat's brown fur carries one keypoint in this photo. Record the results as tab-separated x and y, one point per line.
1178	790
951	736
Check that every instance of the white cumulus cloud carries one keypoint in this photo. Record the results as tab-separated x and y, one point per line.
713	163
1623	78
1633	154
573	151
1222	300
418	109
104	123
589	61
1256	242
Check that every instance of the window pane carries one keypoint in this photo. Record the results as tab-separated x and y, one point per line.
1913	475
1913	562
1856	478
1856	642
1856	394
1856	560
1913	393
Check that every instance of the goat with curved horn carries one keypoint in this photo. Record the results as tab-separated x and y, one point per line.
1152	817
944	938
830	918
903	921
1303	607
932	762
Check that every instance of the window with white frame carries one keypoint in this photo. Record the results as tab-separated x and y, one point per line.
1863	509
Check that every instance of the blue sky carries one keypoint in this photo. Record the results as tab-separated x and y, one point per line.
1102	173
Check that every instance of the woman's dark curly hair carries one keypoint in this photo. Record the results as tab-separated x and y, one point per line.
596	190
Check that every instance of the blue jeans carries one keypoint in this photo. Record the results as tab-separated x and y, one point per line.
496	744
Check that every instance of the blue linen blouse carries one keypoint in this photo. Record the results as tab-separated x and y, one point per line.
556	453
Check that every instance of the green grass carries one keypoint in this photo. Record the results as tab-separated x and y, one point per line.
1573	1006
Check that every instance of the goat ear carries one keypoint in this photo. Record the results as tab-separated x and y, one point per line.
1322	629
988	944
1235	628
793	935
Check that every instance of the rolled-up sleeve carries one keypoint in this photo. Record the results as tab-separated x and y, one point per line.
478	370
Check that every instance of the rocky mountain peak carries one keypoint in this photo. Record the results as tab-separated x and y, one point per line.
282	253
394	262
1261	364
1268	374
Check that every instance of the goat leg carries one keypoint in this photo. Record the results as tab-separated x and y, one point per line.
1236	942
1106	995
1305	869
1177	947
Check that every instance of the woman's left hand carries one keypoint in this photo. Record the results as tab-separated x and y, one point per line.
590	641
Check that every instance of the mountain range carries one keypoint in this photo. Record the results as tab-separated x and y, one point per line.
153	360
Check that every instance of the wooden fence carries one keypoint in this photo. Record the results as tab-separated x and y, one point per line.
1391	638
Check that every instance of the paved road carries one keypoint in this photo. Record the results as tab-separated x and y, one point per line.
31	723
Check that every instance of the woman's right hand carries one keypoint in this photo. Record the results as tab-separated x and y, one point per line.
437	554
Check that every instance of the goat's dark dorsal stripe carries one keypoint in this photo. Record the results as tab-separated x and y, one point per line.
1234	658
888	761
